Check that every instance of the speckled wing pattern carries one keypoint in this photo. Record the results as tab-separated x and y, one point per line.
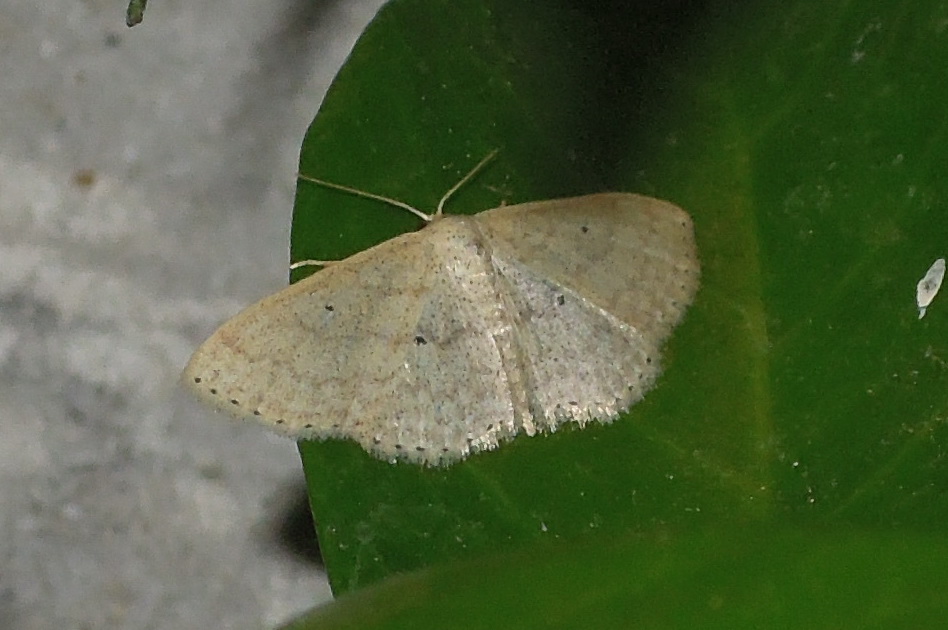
599	282
446	341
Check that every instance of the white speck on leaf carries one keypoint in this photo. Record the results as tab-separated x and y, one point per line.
929	285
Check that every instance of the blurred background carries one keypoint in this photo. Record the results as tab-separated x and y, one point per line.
146	186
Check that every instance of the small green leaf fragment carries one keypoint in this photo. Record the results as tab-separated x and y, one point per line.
135	12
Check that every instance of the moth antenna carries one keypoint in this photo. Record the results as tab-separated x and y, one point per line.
427	218
490	156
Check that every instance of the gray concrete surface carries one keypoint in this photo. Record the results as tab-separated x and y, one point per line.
146	185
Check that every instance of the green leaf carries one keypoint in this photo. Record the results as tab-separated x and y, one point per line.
135	12
749	578
807	140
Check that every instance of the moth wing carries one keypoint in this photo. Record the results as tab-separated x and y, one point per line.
598	283
633	256
386	348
